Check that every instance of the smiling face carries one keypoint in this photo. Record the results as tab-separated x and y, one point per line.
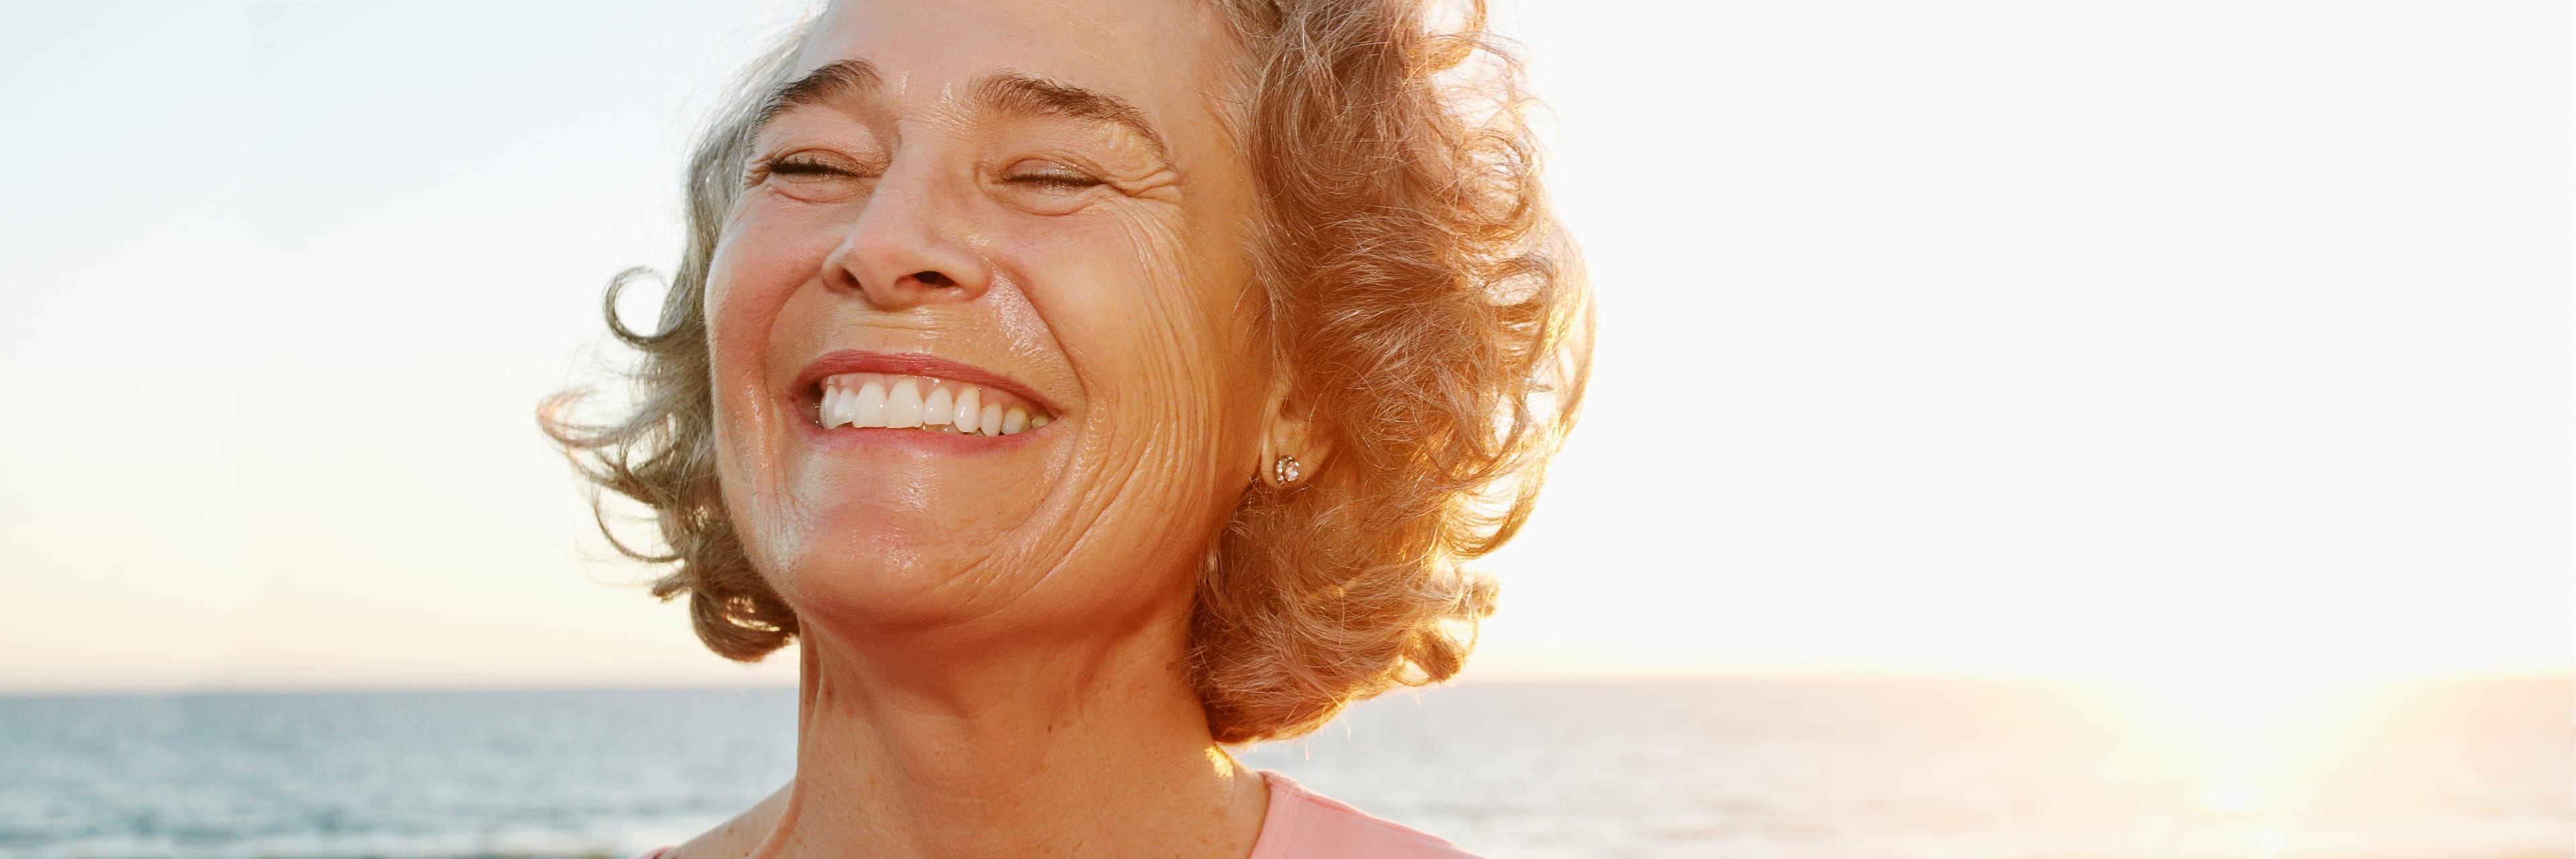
983	332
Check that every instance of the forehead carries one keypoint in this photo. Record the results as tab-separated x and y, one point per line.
1167	57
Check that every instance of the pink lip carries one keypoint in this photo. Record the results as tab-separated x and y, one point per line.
801	399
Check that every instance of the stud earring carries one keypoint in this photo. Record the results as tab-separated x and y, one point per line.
1285	470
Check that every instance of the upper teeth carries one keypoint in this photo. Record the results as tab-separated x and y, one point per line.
897	402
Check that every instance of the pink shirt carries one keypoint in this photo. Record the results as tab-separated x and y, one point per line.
1303	825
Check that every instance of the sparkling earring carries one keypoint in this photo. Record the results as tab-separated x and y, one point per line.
1285	470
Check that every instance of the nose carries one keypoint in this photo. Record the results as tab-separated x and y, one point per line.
910	245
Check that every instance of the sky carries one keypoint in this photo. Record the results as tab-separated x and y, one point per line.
2178	342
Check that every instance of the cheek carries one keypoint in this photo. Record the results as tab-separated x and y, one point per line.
1192	319
1152	315
1152	311
757	270
759	264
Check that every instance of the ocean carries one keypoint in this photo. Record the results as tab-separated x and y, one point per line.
1883	769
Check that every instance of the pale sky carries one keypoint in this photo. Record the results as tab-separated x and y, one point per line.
2079	339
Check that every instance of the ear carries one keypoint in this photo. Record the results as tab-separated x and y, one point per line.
1290	428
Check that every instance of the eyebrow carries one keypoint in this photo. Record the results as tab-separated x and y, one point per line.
1029	94
1013	92
830	82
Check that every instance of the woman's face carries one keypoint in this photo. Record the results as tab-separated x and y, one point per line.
983	329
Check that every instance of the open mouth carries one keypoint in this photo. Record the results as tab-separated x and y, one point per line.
892	401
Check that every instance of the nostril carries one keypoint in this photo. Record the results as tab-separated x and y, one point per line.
933	278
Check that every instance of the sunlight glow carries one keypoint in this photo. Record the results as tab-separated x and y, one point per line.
2233	700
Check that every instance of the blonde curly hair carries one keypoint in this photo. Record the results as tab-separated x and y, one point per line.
1421	299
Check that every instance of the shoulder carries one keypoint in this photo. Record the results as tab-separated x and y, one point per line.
740	836
1302	824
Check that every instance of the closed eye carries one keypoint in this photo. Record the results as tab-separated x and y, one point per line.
1054	180
1049	175
814	177
806	166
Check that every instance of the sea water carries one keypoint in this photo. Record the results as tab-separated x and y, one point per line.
1884	769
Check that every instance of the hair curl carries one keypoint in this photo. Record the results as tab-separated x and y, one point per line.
1427	308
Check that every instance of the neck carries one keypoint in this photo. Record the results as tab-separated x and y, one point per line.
924	745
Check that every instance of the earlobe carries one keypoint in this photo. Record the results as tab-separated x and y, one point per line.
1293	448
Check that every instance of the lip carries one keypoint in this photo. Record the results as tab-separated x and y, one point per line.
800	395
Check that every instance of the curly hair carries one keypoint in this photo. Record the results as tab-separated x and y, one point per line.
1424	304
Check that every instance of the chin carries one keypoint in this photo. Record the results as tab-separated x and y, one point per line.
851	561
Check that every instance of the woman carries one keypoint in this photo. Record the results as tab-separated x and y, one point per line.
1086	385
